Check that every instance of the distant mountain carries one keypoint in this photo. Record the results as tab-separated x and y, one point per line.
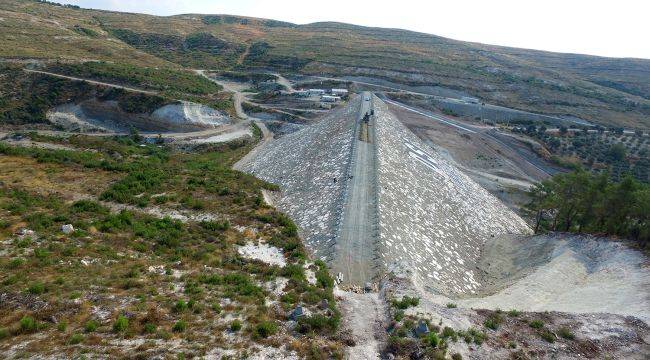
606	91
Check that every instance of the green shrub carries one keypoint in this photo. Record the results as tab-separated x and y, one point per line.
91	326
406	302
566	333
432	340
62	326
451	306
75	338
448	332
265	329
493	321
548	336
4	333
294	272
179	326
149	328
88	206
121	324
28	324
36	288
514	313
216	307
399	315
318	323
15	263
215	225
235	325
180	306
536	324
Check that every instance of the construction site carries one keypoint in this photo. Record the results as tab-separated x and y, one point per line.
393	216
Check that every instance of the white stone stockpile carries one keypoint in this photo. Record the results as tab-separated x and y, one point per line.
305	164
433	219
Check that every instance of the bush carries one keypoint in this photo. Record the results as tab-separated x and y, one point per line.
318	323
235	325
149	328
62	326
548	336
265	329
28	324
179	326
75	338
456	356
406	302
180	306
451	306
88	206
536	324
121	324
566	333
448	332
493	321
432	340
91	326
216	225
216	307
514	313
36	288
3	333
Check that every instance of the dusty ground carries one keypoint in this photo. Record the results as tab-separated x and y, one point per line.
365	316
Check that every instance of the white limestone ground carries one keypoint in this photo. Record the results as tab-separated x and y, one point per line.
305	164
571	273
107	116
188	113
263	252
237	134
433	218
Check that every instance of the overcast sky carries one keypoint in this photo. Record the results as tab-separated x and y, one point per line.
618	28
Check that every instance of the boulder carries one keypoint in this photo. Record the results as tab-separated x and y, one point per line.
297	313
67	229
422	329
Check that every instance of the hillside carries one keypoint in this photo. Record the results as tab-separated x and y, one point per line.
610	92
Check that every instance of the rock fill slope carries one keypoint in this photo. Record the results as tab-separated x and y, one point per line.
309	165
432	219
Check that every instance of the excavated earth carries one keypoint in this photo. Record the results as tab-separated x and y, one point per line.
94	115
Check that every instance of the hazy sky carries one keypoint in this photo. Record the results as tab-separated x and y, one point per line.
619	28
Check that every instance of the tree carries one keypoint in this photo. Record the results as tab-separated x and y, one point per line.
617	152
583	202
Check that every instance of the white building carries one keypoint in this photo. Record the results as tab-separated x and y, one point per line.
330	98
316	92
339	92
302	93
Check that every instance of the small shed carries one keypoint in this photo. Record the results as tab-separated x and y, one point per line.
330	98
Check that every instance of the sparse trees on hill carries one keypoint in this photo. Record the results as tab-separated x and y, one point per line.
586	203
